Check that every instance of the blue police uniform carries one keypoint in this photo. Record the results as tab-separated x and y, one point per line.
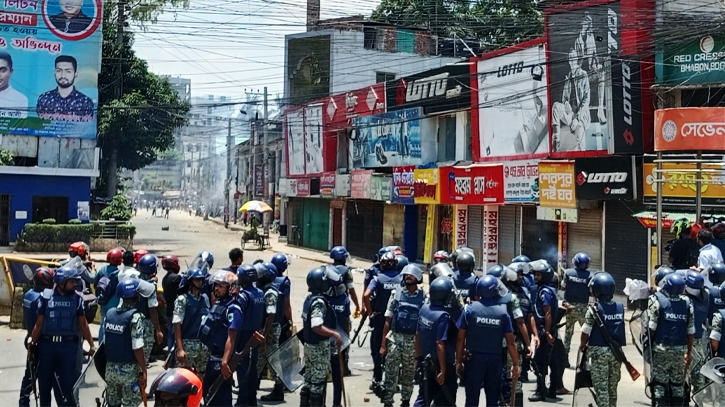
672	321
486	322
341	305
251	300
529	280
382	285
721	348
59	343
435	324
716	304
225	315
196	309
465	282
701	308
119	336
577	286
283	285
544	358
613	317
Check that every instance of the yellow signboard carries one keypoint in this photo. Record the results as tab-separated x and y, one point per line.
429	225
425	186
681	188
556	184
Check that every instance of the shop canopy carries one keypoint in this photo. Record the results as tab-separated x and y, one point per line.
648	219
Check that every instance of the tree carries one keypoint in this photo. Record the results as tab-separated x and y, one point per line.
495	23
118	209
135	125
6	158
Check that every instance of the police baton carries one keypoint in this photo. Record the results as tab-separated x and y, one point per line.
342	376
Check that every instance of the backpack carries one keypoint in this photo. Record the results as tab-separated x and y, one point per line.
106	288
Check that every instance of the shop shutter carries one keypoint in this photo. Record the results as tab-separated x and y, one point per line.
393	217
586	236
539	238
625	243
507	233
666	237
364	227
475	232
316	229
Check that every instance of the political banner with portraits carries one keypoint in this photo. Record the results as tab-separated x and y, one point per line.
50	56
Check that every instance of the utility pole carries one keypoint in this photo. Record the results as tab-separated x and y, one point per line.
268	192
230	145
113	160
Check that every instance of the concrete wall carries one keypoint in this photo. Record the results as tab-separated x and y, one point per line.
22	188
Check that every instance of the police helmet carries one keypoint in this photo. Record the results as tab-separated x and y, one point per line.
440	291
694	283
465	262
268	276
183	384
661	273
521	259
388	261
554	282
543	267
339	253
504	273
249	273
496	271
441	256
260	267
270	266
581	261
43	278
520	267
673	284
127	288
194	273
402	262
413	270
225	277
487	287
65	273
114	257
442	269
458	251
170	263
280	261
206	257
318	281
603	286
717	273
147	264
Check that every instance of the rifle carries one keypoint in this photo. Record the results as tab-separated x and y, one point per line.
171	357
616	349
359	328
253	342
33	369
428	361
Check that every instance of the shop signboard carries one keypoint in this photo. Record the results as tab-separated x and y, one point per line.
680	188
556	181
521	181
327	185
387	140
343	108
438	90
557	214
427	190
404	185
461	219
342	185
360	184
696	62
299	187
480	184
259	180
380	187
690	128
490	235
604	178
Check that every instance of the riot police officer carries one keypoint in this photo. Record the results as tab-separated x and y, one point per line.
148	267
382	285
282	283
545	307
672	330
483	326
576	296
660	275
273	319
699	296
718	325
56	337
219	334
435	338
606	369
340	257
441	256
126	367
456	253
318	320
337	297
401	322
466	279
376	267
523	293
114	257
522	262
717	302
251	300
42	280
190	308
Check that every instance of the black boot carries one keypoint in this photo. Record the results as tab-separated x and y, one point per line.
404	403
317	400
519	402
540	393
277	393
305	397
678	402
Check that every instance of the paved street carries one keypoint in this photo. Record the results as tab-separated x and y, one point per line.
187	236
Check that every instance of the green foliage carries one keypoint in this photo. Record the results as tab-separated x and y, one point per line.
75	222
49	221
126	231
119	209
6	158
496	23
42	233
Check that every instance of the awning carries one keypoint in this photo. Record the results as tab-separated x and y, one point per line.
648	219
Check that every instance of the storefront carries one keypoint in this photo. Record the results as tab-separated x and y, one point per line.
403	194
365	217
427	198
309	214
521	190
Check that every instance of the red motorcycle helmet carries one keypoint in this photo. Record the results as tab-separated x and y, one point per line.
180	386
170	263
43	278
114	257
78	247
138	254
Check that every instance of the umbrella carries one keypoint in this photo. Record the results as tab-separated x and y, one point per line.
255	206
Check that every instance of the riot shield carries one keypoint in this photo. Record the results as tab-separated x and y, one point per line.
638	327
200	264
714	393
583	390
90	386
288	361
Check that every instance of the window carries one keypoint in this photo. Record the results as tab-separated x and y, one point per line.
55	207
211	97
447	138
384	77
208	110
208	121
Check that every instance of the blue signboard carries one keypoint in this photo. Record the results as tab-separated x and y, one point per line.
387	140
50	56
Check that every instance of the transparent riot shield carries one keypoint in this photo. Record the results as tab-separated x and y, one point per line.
288	361
713	395
638	327
90	388
583	390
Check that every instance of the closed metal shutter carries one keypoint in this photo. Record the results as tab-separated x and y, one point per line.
364	227
539	238
507	233
625	242
586	236
475	232
666	237
393	216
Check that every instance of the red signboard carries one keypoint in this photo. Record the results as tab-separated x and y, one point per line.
327	185
340	109
303	187
690	128
360	184
472	185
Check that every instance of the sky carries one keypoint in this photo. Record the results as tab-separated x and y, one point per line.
230	47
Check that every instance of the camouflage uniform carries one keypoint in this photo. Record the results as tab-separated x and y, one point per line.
572	317
668	361
149	330
197	354
271	342
317	357
605	368
697	381
515	310
121	377
400	360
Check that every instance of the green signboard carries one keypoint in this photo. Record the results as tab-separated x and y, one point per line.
380	188
699	61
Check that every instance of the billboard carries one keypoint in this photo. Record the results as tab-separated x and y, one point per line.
556	180
387	140
341	109
49	59
305	140
308	68
581	44
695	62
472	185
295	129
313	140
690	128
512	104
438	90
605	178
521	181
404	185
